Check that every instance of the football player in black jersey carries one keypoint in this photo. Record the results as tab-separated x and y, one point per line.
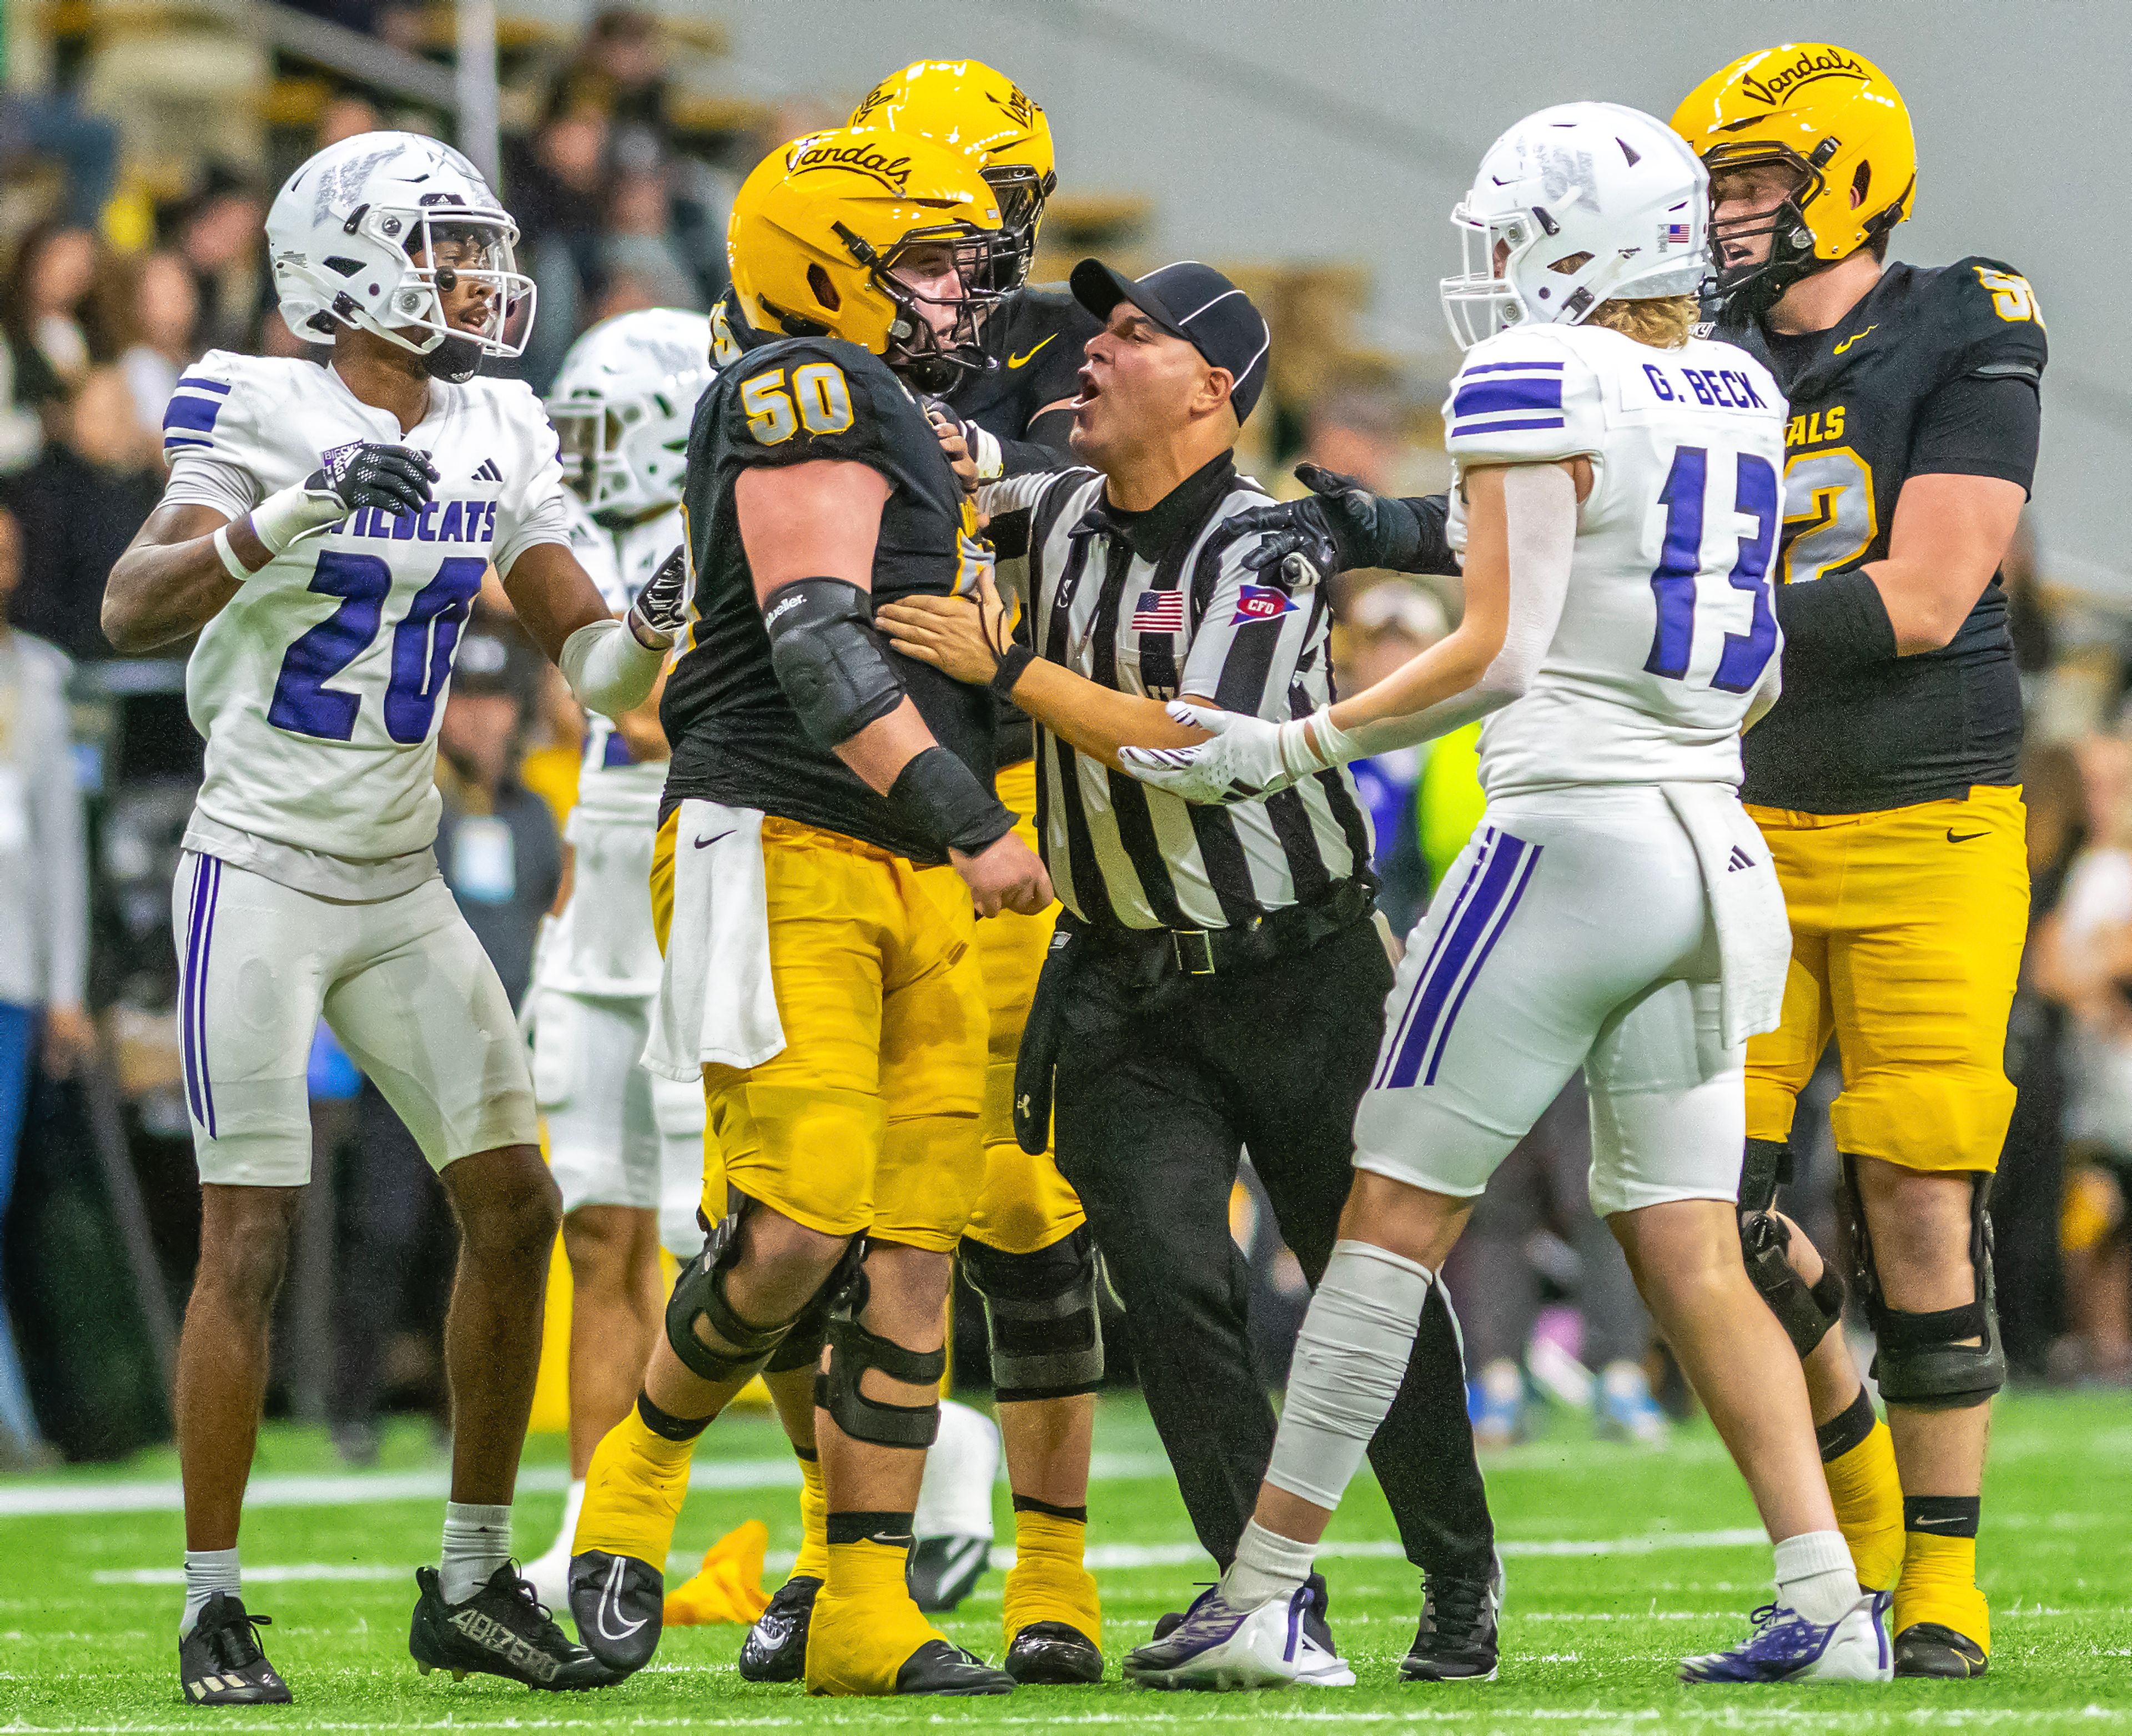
1885	781
836	1001
1029	1251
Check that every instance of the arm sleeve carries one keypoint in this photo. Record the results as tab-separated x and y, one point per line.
1249	637
55	810
536	511
209	438
1432	518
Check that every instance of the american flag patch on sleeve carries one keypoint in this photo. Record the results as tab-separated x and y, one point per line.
1159	612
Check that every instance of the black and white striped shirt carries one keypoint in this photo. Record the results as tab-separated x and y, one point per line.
1161	603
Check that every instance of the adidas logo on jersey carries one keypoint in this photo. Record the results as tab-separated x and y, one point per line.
1738	860
488	472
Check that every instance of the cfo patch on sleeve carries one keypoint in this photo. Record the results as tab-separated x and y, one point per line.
1261	603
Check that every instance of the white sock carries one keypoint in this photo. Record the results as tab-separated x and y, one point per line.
1350	1359
477	1542
207	1571
574	1502
1815	1576
1267	1566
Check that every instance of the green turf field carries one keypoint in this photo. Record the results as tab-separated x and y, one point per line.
1620	1560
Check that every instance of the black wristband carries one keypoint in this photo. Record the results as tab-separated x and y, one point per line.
1012	662
1430	550
1839	623
950	806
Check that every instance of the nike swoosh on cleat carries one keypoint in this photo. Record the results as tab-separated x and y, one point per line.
1962	838
1016	360
608	1601
706	843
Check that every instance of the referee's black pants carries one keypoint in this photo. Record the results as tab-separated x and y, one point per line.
1159	1087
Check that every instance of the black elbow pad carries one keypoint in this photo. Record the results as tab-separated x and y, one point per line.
829	657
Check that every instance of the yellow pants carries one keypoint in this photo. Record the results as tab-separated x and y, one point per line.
868	1119
1907	931
1026	1204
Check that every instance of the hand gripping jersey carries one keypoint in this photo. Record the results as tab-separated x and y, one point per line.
1667	628
602	942
319	686
736	738
1935	371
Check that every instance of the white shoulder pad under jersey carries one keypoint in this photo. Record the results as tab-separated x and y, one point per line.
1667	626
319	684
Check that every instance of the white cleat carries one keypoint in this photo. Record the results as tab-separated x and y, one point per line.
1218	1647
1786	1646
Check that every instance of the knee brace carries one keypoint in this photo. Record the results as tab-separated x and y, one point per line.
1041	1319
853	1350
1919	1359
1806	1311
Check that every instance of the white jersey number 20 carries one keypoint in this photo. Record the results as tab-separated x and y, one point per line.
424	642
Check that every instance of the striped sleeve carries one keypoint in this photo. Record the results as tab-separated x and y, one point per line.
1248	635
1522	399
1021	493
209	439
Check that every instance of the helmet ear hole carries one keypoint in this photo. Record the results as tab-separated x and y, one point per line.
1858	183
825	292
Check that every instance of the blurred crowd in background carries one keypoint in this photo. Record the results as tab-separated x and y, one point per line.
133	185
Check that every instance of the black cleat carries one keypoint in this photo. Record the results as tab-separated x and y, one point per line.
221	1663
1054	1654
1926	1648
619	1604
775	1649
937	1668
502	1630
944	1570
1457	1640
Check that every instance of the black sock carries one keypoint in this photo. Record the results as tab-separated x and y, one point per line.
665	1424
1942	1516
1029	1504
1839	1435
891	1529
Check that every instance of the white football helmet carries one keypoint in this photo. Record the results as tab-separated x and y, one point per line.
621	406
1578	204
368	230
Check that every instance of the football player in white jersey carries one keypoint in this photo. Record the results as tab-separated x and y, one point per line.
1618	502
323	532
625	1145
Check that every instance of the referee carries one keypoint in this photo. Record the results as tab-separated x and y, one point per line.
1218	981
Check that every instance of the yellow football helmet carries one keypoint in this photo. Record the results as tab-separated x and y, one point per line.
967	105
1838	124
820	226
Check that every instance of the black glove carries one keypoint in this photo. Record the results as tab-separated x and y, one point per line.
661	609
395	479
1341	525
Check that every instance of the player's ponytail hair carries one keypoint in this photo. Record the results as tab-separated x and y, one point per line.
1664	321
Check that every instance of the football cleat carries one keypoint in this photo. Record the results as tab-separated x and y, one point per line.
1627	1410
1786	1646
944	1570
502	1630
221	1662
1496	1404
619	1605
775	1649
938	1667
1217	1646
1457	1640
1054	1654
1314	1623
1927	1648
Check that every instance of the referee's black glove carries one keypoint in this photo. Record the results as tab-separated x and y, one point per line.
1340	525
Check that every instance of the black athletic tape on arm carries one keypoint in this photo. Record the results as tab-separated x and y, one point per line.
944	797
1432	551
1838	623
829	657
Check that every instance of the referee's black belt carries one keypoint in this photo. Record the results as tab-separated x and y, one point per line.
1146	955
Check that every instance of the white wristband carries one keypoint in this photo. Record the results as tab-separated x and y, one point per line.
296	511
985	452
231	564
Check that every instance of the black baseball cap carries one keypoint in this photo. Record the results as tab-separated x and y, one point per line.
1194	302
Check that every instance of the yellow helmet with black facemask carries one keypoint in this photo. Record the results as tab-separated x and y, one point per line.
969	106
820	226
1834	122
